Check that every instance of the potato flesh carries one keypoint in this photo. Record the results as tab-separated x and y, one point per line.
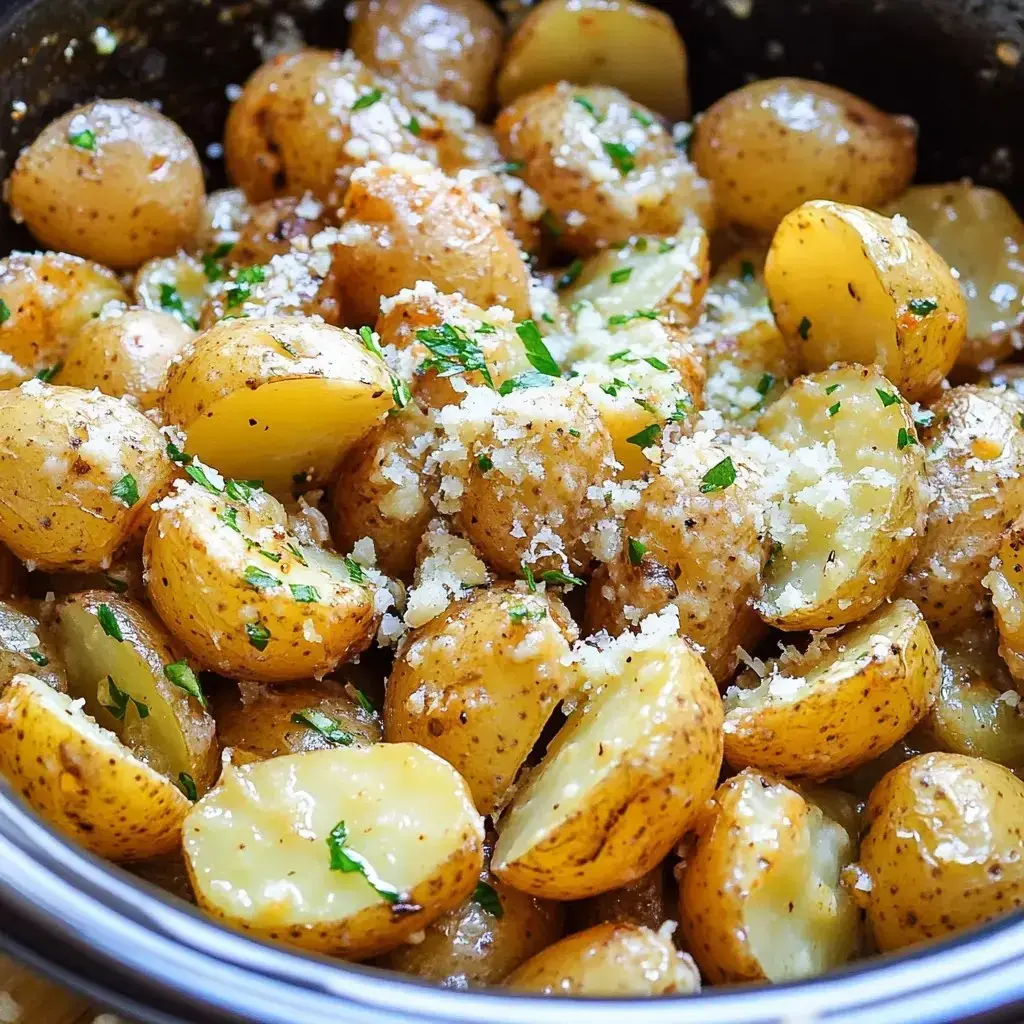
22	648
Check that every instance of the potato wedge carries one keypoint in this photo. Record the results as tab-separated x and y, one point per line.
26	647
596	43
942	850
82	779
136	684
485	675
243	594
849	474
269	399
760	896
846	700
889	298
625	776
264	849
610	960
1006	582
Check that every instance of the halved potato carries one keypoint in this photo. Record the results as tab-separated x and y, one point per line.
625	776
631	46
888	297
1006	581
136	683
27	647
244	594
760	896
346	851
846	700
82	779
610	960
852	500
269	399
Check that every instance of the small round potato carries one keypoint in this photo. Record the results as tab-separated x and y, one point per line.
271	399
125	352
405	221
772	145
27	647
627	774
347	851
114	181
450	48
942	850
760	896
889	298
245	595
45	298
78	472
609	960
82	779
843	702
605	168
485	675
1006	582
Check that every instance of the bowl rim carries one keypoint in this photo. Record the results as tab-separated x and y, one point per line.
126	944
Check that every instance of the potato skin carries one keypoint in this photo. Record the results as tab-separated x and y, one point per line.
476	685
773	144
566	159
405	221
62	450
942	848
136	192
81	779
1006	582
272	227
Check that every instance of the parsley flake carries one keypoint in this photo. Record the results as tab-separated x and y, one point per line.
638	314
642	117
170	301
176	455
182	676
922	307
636	550
354	570
657	363
588	107
452	352
536	351
85	139
904	438
325	725
109	623
531	583
718	477
523	613
484	463
486	897
242	490
345	859
5	312
804	329
38	657
126	490
561	578
746	271
646	437
303	593
833	409
413	126
572	272
621	275
529	379
832	389
258	634
188	786
621	155
764	385
205	477
258	579
887	397
119	701
368	99
47	373
364	701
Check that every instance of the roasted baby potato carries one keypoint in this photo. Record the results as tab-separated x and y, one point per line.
114	181
82	779
942	849
346	851
259	722
244	594
773	144
125	352
596	43
78	471
844	701
272	399
1006	582
276	227
605	167
649	901
760	896
173	284
406	221
47	297
977	231
450	48
625	776
441	695
136	683
889	298
975	458
26	647
610	960
852	497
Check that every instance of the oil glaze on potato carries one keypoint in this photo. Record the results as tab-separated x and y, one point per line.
1006	582
26	647
258	854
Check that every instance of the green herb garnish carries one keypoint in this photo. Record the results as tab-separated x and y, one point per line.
636	550
344	858
303	593
485	896
368	99
328	727
258	634
718	477
182	676
109	623
126	490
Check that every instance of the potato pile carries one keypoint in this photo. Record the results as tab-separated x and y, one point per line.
515	535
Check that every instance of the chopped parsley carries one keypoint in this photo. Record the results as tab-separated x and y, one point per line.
364	701
303	593
833	409
211	261
574	432
572	272
47	373
531	583
297	554
188	786
170	301
718	477
126	490
561	578
354	570
746	271
681	411
258	579
832	389
904	438
182	676
258	634
804	329
328	727
509	167
484	463
922	307
924	418
643	118
176	455
5	312
536	351
119	701
368	99
657	363
764	385
242	490
550	221
198	472
452	352
887	397
270	555
646	437
413	126
38	657
529	379
109	623
638	314
588	107
523	613
241	288
636	550
84	139
486	897
621	155
229	517
344	858
621	275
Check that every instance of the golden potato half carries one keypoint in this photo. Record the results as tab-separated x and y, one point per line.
346	851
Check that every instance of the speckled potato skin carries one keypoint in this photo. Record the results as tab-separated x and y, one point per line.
477	687
942	848
772	145
406	221
458	64
272	227
609	960
125	353
61	452
50	296
368	502
21	633
561	148
82	781
255	721
703	553
135	193
975	461
649	901
1006	582
863	310
869	700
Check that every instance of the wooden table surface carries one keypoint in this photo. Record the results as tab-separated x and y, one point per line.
25	998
